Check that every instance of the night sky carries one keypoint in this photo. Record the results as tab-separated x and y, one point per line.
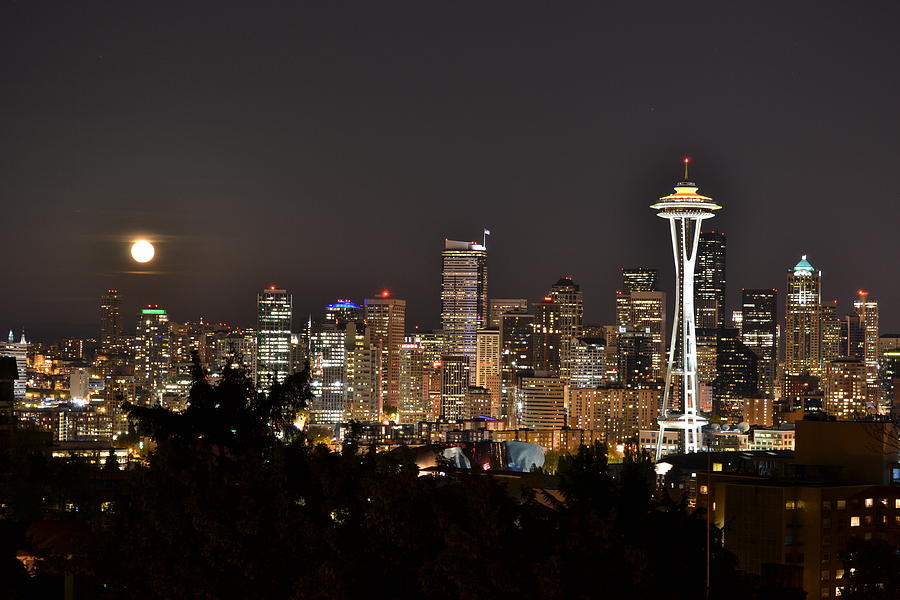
329	149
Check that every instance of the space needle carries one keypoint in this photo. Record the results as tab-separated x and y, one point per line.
685	210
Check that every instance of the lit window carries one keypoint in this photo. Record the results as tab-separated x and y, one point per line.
789	505
854	521
870	502
717	466
704	489
841	504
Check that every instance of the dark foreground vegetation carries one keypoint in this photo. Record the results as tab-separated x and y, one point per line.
236	503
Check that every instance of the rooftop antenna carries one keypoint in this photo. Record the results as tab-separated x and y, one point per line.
687	160
487	232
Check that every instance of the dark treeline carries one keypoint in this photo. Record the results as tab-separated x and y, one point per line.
236	503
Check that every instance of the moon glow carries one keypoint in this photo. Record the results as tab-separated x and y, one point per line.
142	251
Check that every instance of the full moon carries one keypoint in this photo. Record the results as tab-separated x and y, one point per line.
142	251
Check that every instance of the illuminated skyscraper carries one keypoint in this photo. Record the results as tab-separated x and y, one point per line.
758	332
639	279
588	363
685	210
343	311
867	312
487	370
386	320
362	374
516	356
111	339
500	306
642	311
831	327
709	280
547	336
567	295
19	351
273	346
414	402
845	389
152	352
464	297
328	349
803	343
635	358
454	386
737	375
544	401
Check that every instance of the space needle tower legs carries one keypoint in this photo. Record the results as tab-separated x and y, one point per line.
685	210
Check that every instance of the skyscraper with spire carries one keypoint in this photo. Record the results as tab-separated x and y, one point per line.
685	210
802	320
464	297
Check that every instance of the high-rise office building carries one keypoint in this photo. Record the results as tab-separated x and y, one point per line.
152	352
707	342
737	375
544	401
639	279
487	369
236	350
500	306
345	373
709	280
343	311
111	338
621	413
516	356
464	297
547	336
588	363
566	294
414	403
273	331
831	328
758	332
386	320
454	386
362	374
803	342
635	359
328	351
686	210
478	403
845	389
867	314
642	311
19	351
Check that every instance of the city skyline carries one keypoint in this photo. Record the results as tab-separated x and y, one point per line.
598	310
104	144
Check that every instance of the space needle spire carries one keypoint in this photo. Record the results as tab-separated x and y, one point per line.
685	211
